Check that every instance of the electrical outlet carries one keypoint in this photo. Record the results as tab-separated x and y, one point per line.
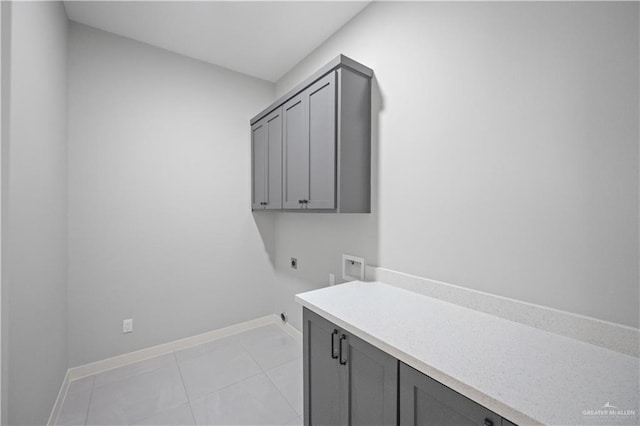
332	279
127	326
294	263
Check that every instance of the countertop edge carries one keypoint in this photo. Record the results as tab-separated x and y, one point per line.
477	396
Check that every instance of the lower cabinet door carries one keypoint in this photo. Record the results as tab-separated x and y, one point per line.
371	381
322	378
424	401
346	380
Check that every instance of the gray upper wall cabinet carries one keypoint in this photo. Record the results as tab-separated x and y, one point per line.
266	162
309	161
325	137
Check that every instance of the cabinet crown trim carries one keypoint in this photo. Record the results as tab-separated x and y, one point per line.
341	61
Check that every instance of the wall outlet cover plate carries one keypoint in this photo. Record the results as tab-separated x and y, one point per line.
127	326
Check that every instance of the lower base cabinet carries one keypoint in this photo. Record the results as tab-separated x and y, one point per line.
424	401
347	381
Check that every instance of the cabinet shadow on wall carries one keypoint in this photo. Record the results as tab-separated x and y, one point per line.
265	223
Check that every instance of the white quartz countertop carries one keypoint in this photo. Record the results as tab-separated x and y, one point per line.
524	374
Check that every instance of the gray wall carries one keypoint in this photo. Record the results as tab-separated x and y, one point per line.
5	67
160	226
507	139
34	181
505	160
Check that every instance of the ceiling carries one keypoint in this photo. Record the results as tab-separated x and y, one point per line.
263	39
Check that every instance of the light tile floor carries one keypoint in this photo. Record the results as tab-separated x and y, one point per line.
251	378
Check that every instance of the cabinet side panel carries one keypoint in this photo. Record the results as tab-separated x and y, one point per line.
354	141
274	173
258	165
306	393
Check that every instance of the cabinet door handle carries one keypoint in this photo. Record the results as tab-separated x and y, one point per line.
333	349
343	361
488	422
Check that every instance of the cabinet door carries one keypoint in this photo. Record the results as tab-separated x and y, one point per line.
310	147
370	379
296	152
274	160
322	143
424	401
321	371
259	148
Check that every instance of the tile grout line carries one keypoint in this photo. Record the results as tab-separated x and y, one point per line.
164	410
115	362
227	386
230	384
272	367
283	397
286	334
271	381
184	386
237	343
244	348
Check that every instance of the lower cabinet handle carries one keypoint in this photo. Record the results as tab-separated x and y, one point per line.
488	422
343	361
333	349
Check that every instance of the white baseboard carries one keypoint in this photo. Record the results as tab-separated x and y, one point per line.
59	399
293	332
615	337
165	348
